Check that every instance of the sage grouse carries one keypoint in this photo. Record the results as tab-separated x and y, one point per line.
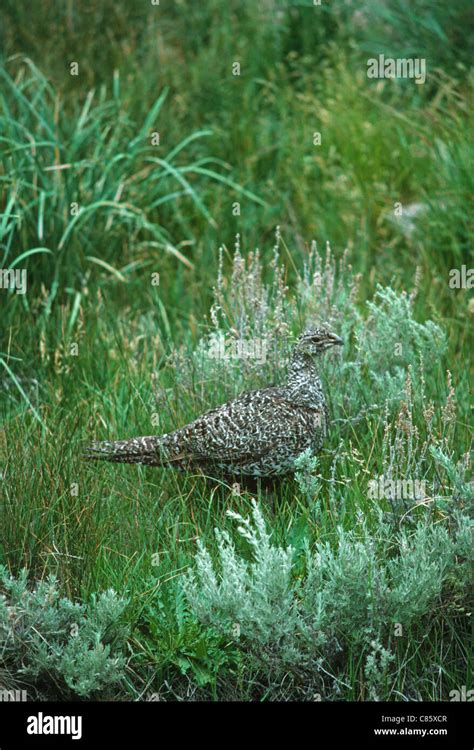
259	434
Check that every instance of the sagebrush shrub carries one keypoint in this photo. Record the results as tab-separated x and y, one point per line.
58	646
253	303
352	594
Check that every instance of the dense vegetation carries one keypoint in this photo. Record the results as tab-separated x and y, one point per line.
139	174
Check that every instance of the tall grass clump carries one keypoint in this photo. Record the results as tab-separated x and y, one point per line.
438	31
76	175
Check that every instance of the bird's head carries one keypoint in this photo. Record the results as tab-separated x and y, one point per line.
315	341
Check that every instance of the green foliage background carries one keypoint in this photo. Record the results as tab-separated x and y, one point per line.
167	209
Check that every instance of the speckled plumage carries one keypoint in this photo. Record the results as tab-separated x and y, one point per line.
258	434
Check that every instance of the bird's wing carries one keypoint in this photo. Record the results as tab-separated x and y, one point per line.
246	428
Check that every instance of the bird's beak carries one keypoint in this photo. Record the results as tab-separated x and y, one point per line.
335	339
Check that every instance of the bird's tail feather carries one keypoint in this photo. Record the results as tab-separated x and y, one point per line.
141	450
